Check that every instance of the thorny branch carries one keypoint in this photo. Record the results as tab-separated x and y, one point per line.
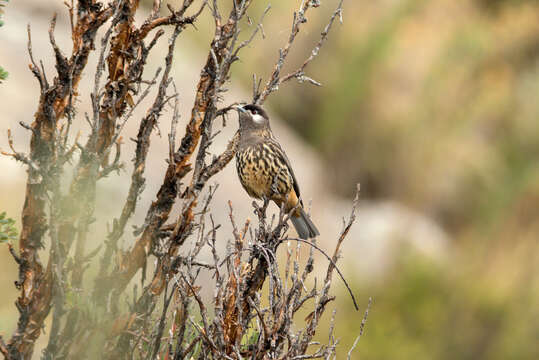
242	324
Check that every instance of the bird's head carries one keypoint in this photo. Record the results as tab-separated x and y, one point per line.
253	117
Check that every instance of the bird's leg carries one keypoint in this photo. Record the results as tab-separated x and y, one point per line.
265	204
260	211
282	223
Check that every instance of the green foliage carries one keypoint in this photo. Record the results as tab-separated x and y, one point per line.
3	73
460	310
8	232
2	11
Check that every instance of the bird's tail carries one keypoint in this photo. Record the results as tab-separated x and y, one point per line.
304	226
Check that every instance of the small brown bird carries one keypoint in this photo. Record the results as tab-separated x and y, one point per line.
265	171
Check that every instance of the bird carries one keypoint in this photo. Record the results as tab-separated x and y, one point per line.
265	171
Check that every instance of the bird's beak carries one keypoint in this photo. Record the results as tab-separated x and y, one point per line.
240	109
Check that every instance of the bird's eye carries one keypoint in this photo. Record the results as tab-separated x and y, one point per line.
253	111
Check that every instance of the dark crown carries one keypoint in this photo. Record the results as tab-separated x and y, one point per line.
254	109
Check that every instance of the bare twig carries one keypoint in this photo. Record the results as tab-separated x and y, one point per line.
275	79
332	262
361	329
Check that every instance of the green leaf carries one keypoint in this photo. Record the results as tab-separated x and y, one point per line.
8	231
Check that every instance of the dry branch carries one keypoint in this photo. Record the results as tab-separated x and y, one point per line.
159	319
275	80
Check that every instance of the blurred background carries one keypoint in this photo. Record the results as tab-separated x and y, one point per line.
432	106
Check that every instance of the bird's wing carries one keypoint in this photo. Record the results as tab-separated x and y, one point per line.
284	158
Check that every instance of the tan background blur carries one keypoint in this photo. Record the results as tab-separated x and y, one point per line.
432	105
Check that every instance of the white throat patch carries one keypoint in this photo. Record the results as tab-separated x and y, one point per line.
257	118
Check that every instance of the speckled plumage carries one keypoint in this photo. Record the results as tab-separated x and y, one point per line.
265	171
262	165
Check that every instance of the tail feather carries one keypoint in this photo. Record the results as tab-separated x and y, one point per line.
304	226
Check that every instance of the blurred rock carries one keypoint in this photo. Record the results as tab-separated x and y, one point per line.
384	227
